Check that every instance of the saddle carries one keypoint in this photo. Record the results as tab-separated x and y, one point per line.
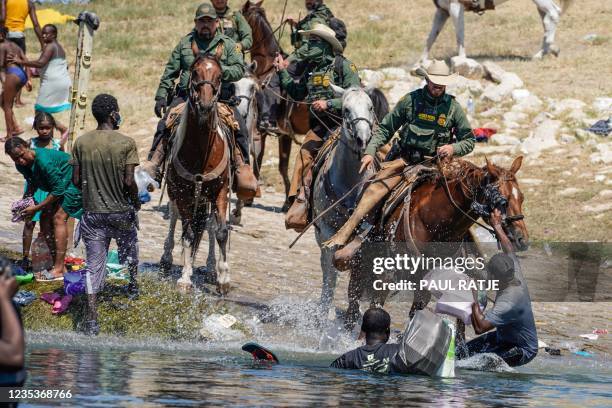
225	114
414	176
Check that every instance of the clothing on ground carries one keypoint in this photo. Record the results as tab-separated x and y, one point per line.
52	173
378	358
97	230
102	156
55	83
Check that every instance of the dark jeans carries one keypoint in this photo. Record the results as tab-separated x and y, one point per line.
242	135
487	343
97	230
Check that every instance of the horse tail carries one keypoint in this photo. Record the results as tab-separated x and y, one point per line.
379	101
565	4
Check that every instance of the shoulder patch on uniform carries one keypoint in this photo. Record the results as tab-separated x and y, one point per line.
353	67
237	48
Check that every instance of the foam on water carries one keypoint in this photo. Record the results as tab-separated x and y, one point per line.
485	362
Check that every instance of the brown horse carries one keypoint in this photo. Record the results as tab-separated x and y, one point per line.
295	115
440	211
199	174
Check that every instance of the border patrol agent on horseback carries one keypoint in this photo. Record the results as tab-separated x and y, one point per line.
325	110
233	25
427	120
318	13
199	40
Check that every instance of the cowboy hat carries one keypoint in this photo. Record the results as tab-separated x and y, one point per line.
326	33
438	73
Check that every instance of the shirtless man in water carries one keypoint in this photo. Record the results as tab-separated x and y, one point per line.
13	77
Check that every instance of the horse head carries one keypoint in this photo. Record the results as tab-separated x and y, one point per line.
505	182
252	6
245	90
205	82
358	116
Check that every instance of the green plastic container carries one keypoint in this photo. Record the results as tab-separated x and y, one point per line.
23	279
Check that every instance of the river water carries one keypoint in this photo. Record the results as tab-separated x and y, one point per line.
109	371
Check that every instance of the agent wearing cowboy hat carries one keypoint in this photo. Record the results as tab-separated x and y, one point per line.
315	88
427	120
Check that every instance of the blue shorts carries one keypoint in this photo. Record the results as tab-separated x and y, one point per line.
18	72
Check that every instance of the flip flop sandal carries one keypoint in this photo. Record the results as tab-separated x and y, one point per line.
50	297
46	276
60	306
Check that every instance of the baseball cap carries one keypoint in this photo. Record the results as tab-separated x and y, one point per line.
205	10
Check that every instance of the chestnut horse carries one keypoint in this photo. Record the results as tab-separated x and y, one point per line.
294	119
440	211
199	176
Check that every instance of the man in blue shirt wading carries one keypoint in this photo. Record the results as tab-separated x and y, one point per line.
516	339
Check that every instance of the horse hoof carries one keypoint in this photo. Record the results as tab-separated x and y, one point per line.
234	219
223	288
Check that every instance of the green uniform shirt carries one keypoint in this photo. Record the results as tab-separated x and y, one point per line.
234	25
321	15
316	84
51	172
182	58
102	156
425	123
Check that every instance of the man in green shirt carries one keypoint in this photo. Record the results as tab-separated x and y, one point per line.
205	38
315	89
103	167
427	120
233	25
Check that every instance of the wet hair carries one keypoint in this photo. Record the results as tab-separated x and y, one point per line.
13	143
41	117
102	107
376	321
501	267
51	26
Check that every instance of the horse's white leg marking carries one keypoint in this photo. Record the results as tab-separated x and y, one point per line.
456	12
438	23
330	277
185	279
550	15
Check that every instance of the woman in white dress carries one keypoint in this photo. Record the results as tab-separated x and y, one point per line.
55	83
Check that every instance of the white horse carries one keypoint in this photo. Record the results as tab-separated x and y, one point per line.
337	175
550	14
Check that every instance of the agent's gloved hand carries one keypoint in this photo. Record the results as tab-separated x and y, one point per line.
160	107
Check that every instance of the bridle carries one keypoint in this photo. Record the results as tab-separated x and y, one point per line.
194	88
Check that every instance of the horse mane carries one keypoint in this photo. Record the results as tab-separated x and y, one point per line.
379	101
